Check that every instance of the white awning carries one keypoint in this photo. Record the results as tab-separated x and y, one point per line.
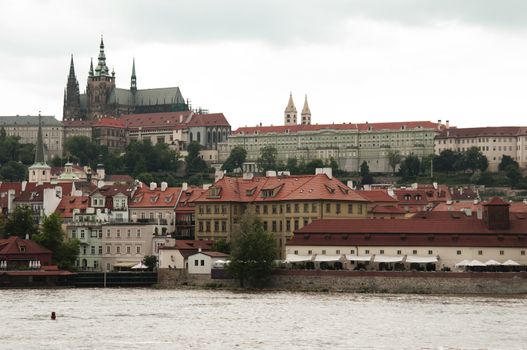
510	263
387	259
413	259
358	257
327	258
476	263
125	264
292	258
492	263
139	266
462	263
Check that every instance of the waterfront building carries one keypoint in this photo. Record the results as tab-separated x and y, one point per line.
26	127
283	203
103	99
8	192
16	253
42	198
176	257
441	238
125	244
349	144
186	212
201	263
493	142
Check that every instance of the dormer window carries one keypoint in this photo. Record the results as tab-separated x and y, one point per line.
330	189
22	248
407	197
267	193
214	192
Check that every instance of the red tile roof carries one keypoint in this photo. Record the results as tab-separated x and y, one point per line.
187	200
213	254
109	123
166	120
146	198
377	196
496	201
68	203
212	119
411	197
183	244
282	188
383	209
497	131
77	123
119	178
35	192
13	244
280	129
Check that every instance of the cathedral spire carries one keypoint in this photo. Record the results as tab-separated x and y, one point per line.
39	152
101	69
90	73
306	113
72	69
133	81
290	112
71	108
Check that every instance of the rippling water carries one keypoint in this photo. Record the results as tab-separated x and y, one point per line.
189	319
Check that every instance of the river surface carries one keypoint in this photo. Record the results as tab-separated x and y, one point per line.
197	319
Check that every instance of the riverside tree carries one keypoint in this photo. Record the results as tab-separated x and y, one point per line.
52	237
236	159
253	251
21	223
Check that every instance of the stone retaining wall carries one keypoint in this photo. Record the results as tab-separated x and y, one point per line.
366	282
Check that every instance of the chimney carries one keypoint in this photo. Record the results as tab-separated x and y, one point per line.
327	171
184	186
10	199
199	250
164	186
27	235
439	124
248	176
468	212
447	124
479	213
24	184
350	184
270	173
153	186
496	214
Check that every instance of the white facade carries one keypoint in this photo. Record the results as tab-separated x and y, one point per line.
201	263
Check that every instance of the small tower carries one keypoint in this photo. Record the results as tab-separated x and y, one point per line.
306	114
100	85
72	101
133	80
290	112
39	171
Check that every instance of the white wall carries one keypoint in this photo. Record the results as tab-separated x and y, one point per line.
199	263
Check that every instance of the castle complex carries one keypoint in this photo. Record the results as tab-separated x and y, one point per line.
103	99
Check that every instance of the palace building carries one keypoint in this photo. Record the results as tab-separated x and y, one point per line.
102	97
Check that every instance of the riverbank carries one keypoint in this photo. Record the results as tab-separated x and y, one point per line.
474	283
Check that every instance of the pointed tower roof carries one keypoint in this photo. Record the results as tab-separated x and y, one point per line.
39	152
290	105
133	80
306	110
101	68
90	73
72	68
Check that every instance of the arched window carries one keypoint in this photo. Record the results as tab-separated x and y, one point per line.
208	137
214	137
191	139
198	137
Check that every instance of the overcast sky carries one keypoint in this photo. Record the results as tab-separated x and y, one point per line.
357	61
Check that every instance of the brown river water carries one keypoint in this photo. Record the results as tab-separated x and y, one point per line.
197	319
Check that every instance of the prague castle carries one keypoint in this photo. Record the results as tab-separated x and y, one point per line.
103	99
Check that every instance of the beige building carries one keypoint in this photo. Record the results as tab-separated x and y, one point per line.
493	142
443	239
26	127
125	245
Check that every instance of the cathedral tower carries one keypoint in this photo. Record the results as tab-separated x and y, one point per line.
72	101
306	114
100	85
39	171
290	112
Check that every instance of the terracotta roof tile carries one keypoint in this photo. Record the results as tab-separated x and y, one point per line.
68	203
146	198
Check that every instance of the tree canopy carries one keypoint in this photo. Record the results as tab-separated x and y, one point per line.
364	172
267	160
394	159
506	161
195	164
21	222
253	251
235	160
410	167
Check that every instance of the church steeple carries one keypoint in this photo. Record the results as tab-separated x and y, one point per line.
102	68
72	104
290	112
133	80
90	73
306	114
39	171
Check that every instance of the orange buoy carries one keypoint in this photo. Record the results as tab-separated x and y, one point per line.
53	316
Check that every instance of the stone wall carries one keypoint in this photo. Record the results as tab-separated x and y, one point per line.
173	278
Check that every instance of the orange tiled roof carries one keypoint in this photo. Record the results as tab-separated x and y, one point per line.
146	198
376	196
156	120
491	131
68	203
280	188
110	122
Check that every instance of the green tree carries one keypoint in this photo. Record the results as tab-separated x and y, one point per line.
253	251
410	167
2	225
292	166
82	150
446	160
394	159
506	161
364	172
221	245
195	165
267	159
150	261
21	222
474	160
309	167
52	237
13	171
235	160
512	171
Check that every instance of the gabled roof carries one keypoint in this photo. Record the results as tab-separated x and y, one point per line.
28	120
490	131
187	199
119	178
35	192
13	244
212	119
146	198
68	203
384	209
109	123
377	196
166	120
280	188
411	197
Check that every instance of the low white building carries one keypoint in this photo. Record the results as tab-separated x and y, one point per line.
202	262
176	257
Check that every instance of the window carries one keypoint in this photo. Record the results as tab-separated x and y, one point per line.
288	208
297	208
82	233
100	250
108	233
313	208
202	262
502	252
274	209
108	249
257	209
323	251
306	207
118	250
522	252
288	225
338	208
118	233
195	263
458	252
309	252
108	267
350	208
224	226
337	251
296	252
352	251
296	225
360	208
128	233
128	250
430	252
414	252
480	252
398	252
138	249
367	251
265	225
73	234
138	234
381	251
273	226
328	207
